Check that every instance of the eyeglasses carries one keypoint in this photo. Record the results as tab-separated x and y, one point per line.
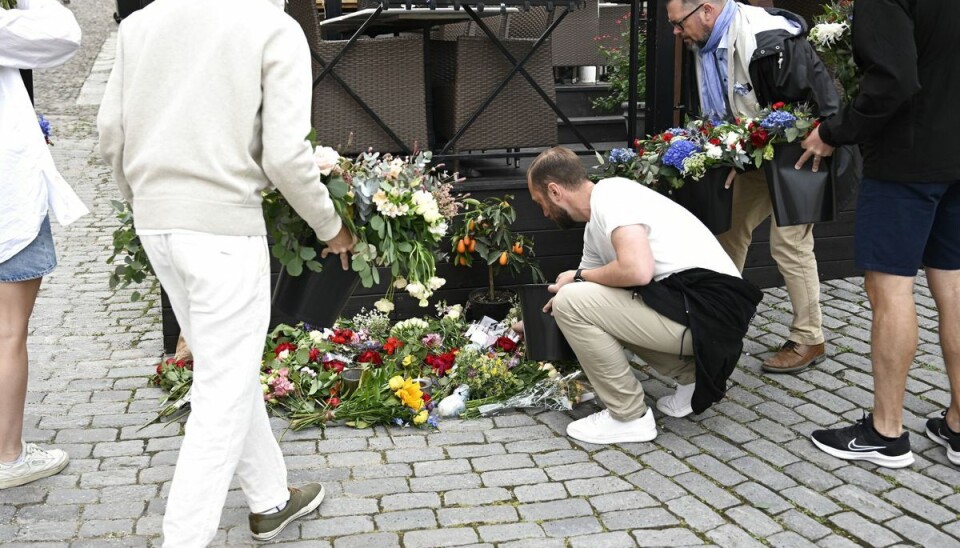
679	24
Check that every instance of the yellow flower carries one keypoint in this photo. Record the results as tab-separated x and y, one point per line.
407	360
410	394
421	417
396	383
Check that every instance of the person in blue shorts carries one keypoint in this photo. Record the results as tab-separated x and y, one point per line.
908	213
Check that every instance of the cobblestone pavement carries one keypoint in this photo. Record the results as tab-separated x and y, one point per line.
741	474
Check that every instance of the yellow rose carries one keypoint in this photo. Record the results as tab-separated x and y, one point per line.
408	359
396	383
421	417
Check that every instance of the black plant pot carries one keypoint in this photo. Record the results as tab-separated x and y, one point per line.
316	298
543	339
478	306
707	199
799	196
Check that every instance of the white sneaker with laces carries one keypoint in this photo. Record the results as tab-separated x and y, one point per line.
678	404
601	428
36	464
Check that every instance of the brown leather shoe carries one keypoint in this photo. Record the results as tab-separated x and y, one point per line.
794	357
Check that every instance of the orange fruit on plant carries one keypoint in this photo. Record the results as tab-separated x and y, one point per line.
463	261
461	247
466	240
504	259
472	225
518	248
473	245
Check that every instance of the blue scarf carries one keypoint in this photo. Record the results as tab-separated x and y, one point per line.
712	92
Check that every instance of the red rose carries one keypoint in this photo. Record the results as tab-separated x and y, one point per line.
370	356
392	345
284	346
715	141
159	369
341	336
636	144
778	105
181	364
333	402
314	354
506	344
426	398
334	365
442	363
667	136
759	138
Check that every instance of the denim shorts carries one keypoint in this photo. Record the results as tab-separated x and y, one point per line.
902	226
34	261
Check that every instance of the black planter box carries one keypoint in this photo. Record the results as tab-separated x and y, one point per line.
799	196
707	199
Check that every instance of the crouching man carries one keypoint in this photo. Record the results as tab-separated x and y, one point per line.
653	280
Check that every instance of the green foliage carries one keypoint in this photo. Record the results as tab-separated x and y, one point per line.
618	68
832	37
135	266
484	230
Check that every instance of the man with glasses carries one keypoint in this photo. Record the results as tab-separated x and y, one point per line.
747	58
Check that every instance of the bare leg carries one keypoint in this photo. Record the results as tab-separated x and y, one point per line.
945	286
893	346
16	305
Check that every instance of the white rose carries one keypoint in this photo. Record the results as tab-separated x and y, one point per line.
326	159
400	283
424	303
731	138
415	289
384	305
283	355
713	151
435	283
317	336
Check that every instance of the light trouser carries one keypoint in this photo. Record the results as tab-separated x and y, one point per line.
600	321
219	287
790	246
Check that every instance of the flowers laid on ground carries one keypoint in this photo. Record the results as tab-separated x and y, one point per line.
832	37
367	371
397	207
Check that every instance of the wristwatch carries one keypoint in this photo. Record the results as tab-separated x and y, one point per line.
578	277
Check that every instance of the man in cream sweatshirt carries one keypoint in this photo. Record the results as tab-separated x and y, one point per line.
208	104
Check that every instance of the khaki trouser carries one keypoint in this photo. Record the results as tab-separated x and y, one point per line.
790	246
600	321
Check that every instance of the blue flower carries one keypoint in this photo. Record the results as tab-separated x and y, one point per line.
44	125
433	421
621	155
778	119
678	132
678	152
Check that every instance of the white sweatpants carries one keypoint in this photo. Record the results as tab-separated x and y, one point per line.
219	287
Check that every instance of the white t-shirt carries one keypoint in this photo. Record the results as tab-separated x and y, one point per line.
678	240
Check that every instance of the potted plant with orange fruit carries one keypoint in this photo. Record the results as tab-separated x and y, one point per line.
484	235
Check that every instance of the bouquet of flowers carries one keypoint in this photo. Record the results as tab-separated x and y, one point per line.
45	128
397	207
832	38
664	160
781	123
554	392
176	377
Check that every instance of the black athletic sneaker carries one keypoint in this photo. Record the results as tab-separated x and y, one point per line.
938	431
862	442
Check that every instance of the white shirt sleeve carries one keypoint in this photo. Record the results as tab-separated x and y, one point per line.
39	34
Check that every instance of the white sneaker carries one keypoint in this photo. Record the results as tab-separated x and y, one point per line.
600	428
36	464
678	404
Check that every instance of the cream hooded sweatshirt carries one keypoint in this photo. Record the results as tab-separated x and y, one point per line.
208	104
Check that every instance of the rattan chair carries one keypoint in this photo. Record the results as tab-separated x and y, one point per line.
466	70
387	73
574	40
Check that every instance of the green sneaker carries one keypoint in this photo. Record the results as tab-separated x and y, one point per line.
302	502
36	464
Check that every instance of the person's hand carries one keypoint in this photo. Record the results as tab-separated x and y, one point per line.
730	178
548	308
341	244
814	146
562	279
517	328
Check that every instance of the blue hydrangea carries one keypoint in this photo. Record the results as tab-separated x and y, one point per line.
778	119
621	155
678	152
